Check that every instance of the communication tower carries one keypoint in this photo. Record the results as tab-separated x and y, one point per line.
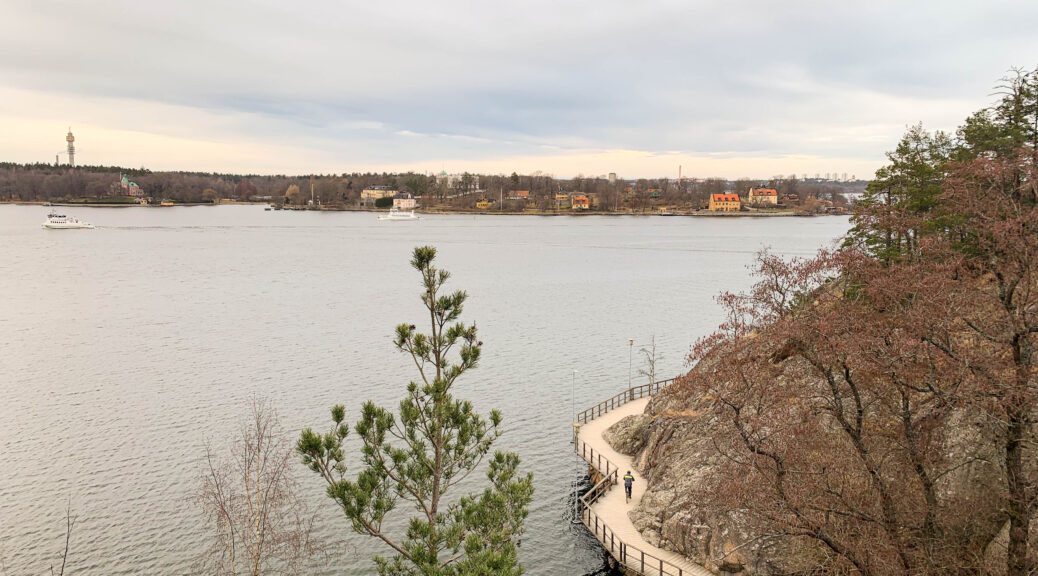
71	148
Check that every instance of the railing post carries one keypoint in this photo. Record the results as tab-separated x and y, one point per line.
643	561
661	566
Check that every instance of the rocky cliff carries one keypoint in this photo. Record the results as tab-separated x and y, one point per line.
674	449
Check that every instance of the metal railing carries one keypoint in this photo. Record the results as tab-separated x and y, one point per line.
595	459
629	395
631	557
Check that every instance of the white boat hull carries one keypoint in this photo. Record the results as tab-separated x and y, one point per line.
68	226
397	215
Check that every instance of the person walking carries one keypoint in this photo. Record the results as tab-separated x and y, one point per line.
628	483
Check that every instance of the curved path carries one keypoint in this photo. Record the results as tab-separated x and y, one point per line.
612	509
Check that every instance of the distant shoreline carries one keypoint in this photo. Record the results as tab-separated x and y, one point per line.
697	213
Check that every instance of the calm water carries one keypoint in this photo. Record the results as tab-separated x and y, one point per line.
122	349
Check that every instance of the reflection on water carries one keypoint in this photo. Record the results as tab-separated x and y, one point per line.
122	349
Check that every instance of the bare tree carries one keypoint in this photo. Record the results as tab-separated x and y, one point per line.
841	419
251	499
651	356
70	521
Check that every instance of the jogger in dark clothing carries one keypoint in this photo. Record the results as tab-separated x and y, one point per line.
628	482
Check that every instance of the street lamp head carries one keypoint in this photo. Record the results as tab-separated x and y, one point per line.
630	342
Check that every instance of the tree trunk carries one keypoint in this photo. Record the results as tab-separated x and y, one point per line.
1019	511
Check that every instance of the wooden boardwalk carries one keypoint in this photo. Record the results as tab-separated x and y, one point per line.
604	509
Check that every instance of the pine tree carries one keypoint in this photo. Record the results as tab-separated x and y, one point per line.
895	211
434	443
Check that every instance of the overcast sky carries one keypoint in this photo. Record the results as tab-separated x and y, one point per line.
754	88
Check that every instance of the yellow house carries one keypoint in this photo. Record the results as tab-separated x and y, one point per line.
484	204
725	203
762	196
377	192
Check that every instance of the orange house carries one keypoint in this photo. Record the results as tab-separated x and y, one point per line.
581	203
519	195
725	203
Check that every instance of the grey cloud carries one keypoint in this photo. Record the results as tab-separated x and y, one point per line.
488	79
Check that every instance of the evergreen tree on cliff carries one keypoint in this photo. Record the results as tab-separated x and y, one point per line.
434	443
894	212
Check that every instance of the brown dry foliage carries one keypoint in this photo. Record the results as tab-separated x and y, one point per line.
881	414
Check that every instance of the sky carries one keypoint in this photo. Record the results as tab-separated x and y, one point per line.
722	89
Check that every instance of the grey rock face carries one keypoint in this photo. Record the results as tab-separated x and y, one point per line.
673	450
628	436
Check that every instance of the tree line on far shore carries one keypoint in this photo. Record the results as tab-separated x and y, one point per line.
51	183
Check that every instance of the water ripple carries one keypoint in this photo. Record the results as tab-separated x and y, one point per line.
122	349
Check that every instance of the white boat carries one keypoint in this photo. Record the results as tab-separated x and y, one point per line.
395	214
62	222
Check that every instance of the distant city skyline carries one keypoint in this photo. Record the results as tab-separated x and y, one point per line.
565	89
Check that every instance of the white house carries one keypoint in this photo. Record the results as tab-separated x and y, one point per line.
404	201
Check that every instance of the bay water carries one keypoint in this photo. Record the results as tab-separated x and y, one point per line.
125	348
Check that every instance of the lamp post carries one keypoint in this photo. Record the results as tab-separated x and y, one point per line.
630	357
573	410
573	400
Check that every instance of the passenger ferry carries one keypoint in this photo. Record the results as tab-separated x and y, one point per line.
395	214
62	222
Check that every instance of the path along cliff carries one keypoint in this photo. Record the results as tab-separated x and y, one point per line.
605	511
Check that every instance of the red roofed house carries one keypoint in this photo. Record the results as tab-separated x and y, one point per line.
725	203
581	203
762	196
519	195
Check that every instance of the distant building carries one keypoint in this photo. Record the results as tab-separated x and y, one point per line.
129	188
404	201
581	203
369	195
762	196
70	139
725	203
453	181
376	192
519	195
612	177
484	204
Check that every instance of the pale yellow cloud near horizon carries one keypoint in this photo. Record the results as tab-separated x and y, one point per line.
632	164
159	136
